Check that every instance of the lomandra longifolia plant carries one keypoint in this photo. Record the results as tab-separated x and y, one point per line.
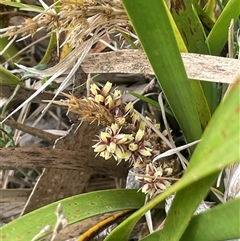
126	136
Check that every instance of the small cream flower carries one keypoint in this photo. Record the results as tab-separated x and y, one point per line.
109	103
136	119
99	99
133	146
117	98
139	136
105	91
111	143
94	89
128	109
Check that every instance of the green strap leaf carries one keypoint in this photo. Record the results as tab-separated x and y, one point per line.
7	77
158	40
192	32
218	36
11	50
219	137
211	155
206	21
211	225
149	101
22	6
189	26
183	207
218	223
75	209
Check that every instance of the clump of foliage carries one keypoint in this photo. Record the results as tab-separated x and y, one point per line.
163	31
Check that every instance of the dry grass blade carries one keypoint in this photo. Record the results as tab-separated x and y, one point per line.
198	66
85	24
175	150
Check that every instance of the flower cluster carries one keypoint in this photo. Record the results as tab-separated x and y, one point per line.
155	178
112	100
112	143
126	136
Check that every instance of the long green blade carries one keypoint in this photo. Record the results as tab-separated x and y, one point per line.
157	38
75	209
218	36
149	101
211	155
192	32
214	224
189	26
6	77
191	197
211	225
22	6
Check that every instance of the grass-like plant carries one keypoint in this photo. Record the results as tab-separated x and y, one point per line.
164	31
